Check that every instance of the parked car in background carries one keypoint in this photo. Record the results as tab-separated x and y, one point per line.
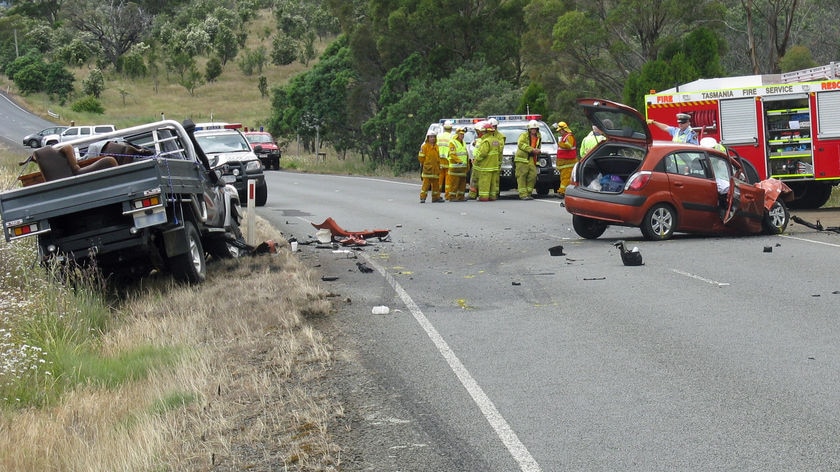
36	140
663	187
230	153
77	132
265	147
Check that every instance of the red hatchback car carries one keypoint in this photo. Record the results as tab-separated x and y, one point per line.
662	187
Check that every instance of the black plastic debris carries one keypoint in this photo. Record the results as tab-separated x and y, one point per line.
363	267
556	251
630	257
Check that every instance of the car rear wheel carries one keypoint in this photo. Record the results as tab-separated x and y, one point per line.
588	228
776	219
659	223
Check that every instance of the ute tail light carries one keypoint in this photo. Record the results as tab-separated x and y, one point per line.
18	229
638	180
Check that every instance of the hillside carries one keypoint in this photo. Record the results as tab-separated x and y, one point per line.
233	97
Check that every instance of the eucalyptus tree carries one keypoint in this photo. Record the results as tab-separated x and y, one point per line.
761	32
116	25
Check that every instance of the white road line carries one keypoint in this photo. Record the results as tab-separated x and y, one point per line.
809	240
497	422
694	276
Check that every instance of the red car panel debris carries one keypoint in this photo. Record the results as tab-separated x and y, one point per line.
351	238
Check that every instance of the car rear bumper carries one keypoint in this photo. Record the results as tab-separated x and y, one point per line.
618	208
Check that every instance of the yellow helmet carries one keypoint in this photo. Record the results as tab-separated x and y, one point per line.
562	125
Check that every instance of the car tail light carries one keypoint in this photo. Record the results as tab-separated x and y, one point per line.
638	181
573	178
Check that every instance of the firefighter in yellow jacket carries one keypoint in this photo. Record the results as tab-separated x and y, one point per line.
488	158
430	168
525	160
443	140
456	183
473	183
566	156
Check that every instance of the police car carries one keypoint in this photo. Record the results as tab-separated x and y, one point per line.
229	152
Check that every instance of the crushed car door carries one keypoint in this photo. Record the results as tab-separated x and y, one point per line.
744	202
693	189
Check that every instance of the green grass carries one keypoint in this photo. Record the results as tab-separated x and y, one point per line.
52	323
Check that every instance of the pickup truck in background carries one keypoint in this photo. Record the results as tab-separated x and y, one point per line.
70	133
127	202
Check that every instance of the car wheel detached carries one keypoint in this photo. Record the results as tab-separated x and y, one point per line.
776	219
659	223
588	228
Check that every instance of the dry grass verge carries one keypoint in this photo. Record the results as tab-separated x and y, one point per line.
246	394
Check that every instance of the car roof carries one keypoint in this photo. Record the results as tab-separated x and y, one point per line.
618	122
218	131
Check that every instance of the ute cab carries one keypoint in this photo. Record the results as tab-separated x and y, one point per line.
664	187
230	153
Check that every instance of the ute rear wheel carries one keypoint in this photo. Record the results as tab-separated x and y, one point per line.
659	223
190	266
588	228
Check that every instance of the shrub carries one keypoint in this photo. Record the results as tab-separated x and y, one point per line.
88	104
213	70
94	84
59	81
30	79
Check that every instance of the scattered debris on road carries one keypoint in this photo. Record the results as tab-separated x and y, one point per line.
556	251
630	257
817	226
380	310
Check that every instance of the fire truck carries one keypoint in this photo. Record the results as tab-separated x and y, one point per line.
786	125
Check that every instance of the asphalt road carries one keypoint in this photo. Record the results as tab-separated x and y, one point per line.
716	354
15	122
